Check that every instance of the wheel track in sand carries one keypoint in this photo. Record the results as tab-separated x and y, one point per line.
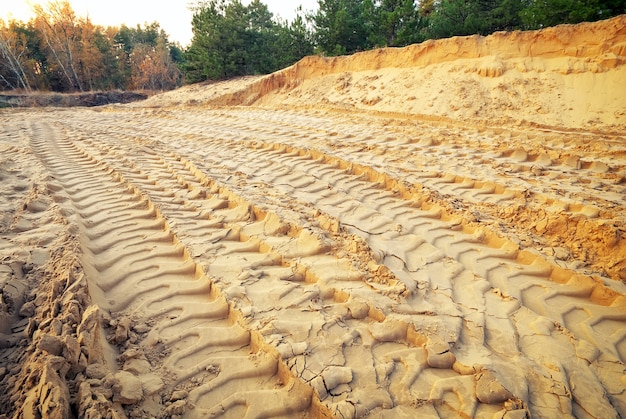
193	337
445	240
499	172
432	143
332	312
531	272
526	277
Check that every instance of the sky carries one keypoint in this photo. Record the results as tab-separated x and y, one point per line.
174	16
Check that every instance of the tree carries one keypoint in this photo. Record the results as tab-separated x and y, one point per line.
217	44
395	23
59	51
543	13
13	50
346	26
232	40
153	68
127	39
112	76
452	17
340	27
505	15
146	59
61	34
261	36
468	17
89	57
295	41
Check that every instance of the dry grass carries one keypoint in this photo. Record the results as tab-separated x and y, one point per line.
87	99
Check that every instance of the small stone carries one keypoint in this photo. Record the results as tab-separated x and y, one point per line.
138	413
130	354
51	344
289	350
127	388
389	331
177	408
151	384
103	393
179	395
97	371
489	390
84	392
330	378
137	366
358	309
82	363
71	310
91	317
30	329
141	328
71	352
28	309
121	331
561	253
57	362
439	355
7	341
56	326
54	399
333	376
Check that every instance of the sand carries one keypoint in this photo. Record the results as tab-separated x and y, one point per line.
433	231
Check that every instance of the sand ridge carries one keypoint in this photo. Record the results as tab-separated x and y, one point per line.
566	77
319	254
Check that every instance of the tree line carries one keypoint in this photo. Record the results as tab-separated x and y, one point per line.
231	39
347	26
57	50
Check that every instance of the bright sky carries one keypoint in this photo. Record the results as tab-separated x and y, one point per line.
173	16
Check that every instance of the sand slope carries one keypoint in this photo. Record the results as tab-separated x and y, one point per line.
567	77
338	247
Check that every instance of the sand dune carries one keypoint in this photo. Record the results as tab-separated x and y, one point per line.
433	231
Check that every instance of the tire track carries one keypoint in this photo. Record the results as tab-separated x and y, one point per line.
517	191
183	334
437	263
348	314
527	269
521	275
526	199
261	262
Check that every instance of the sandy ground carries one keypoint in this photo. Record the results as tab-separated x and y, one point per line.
435	231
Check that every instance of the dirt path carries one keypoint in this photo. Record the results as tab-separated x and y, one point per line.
265	262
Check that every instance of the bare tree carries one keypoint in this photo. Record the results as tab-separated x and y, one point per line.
61	34
12	51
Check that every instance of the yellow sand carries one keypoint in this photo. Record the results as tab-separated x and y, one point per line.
432	231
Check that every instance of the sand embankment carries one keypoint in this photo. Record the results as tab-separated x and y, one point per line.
569	76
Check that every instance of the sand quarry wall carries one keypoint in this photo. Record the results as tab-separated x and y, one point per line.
569	76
